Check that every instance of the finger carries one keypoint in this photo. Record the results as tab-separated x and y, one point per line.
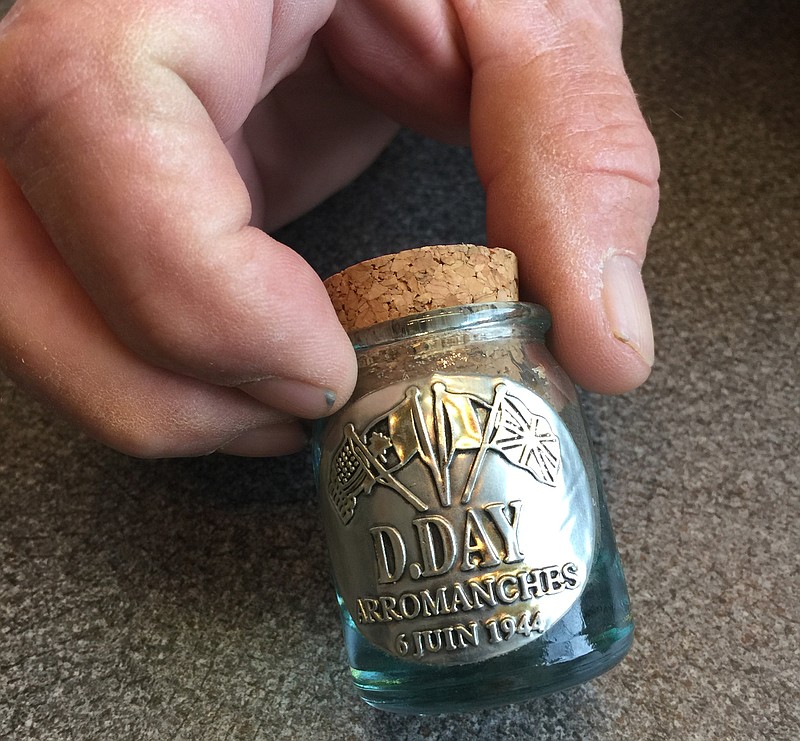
309	138
406	57
54	343
119	145
570	171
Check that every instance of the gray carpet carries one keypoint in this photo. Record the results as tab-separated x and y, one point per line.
153	599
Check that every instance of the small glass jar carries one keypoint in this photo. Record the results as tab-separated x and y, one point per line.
472	551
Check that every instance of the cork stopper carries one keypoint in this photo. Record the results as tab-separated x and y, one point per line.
413	281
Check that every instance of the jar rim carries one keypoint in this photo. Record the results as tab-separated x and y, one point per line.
462	317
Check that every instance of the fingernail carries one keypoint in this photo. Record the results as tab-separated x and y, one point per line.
626	305
295	397
277	439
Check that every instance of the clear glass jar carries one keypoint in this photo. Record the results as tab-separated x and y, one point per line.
472	551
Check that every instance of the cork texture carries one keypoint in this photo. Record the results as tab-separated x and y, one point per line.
421	279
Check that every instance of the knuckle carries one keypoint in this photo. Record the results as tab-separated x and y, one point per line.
622	148
598	127
40	64
64	67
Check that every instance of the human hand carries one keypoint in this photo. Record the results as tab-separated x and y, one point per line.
148	145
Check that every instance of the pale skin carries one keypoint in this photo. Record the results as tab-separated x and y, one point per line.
147	149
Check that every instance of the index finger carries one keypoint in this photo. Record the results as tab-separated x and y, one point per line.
570	170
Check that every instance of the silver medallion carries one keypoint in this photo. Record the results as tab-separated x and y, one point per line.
460	517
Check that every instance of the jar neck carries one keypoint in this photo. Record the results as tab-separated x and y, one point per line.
502	318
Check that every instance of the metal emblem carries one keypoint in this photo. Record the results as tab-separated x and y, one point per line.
460	517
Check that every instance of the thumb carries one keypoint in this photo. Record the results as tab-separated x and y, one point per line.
570	171
119	145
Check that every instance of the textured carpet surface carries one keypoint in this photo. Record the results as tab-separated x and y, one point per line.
158	600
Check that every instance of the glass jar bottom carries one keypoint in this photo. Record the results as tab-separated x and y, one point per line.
592	637
529	672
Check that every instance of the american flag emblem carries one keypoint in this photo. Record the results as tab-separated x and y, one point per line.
350	477
355	470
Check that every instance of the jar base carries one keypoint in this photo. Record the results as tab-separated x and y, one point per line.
502	681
